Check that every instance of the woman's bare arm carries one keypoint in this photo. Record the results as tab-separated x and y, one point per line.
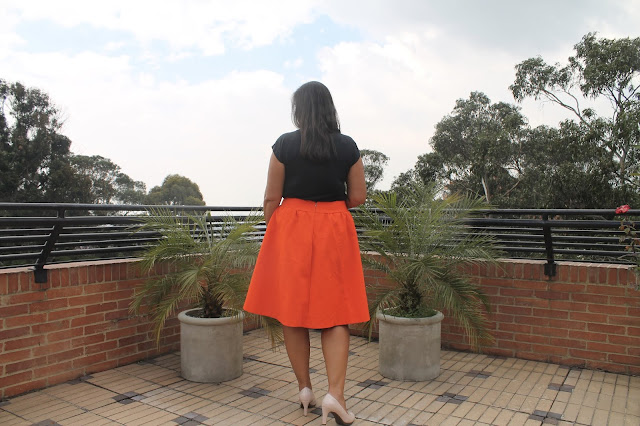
273	191
356	186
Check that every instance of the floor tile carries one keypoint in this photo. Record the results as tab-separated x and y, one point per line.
472	389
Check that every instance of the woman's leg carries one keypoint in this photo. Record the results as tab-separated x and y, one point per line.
335	347
296	339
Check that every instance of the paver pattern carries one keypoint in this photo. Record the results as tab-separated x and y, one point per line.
472	389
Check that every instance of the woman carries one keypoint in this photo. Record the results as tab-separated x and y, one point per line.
308	274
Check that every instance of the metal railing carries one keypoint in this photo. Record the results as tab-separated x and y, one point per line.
37	234
591	235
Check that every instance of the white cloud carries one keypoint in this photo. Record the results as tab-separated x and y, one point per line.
293	64
179	56
420	57
113	46
506	25
205	25
217	133
391	95
9	40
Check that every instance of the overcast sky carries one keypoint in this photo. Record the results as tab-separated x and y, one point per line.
203	88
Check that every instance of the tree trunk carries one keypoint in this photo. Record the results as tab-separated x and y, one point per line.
486	189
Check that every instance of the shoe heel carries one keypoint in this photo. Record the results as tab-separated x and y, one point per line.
341	416
306	400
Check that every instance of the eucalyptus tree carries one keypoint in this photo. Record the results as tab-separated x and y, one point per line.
176	190
107	182
374	163
488	150
600	69
34	155
560	168
474	149
36	162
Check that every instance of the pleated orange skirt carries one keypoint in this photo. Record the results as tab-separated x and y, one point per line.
308	272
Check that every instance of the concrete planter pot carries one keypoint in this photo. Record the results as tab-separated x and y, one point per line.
409	347
210	348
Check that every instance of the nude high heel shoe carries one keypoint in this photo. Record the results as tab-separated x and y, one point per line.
331	405
307	399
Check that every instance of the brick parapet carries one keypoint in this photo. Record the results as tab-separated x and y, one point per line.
588	315
79	323
76	324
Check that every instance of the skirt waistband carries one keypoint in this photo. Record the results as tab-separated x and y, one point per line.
317	206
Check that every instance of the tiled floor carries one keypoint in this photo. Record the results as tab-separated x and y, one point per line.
471	390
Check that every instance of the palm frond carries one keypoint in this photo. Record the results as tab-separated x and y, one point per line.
272	327
210	261
467	304
383	298
423	245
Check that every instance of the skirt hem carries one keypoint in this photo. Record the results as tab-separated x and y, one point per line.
312	326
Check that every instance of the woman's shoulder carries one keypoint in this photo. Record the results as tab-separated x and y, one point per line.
345	141
287	146
290	136
342	138
288	139
347	148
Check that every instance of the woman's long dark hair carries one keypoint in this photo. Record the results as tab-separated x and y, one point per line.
313	112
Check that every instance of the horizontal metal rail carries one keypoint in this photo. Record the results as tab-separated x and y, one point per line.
37	234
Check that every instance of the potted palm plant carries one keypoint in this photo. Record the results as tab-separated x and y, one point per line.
422	246
209	268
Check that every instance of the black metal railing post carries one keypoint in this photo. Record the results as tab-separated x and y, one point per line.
39	273
550	266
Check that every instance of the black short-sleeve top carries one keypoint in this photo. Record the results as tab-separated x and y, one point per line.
315	181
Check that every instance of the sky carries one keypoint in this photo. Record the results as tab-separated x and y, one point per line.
203	88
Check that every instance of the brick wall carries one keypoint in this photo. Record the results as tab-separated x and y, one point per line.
78	323
588	315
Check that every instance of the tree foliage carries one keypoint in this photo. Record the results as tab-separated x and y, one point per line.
600	69
560	168
34	156
176	190
488	150
106	182
374	162
588	162
475	150
475	145
36	164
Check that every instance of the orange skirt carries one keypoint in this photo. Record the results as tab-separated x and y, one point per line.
309	273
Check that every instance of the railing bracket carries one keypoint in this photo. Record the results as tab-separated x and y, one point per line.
550	269
40	275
